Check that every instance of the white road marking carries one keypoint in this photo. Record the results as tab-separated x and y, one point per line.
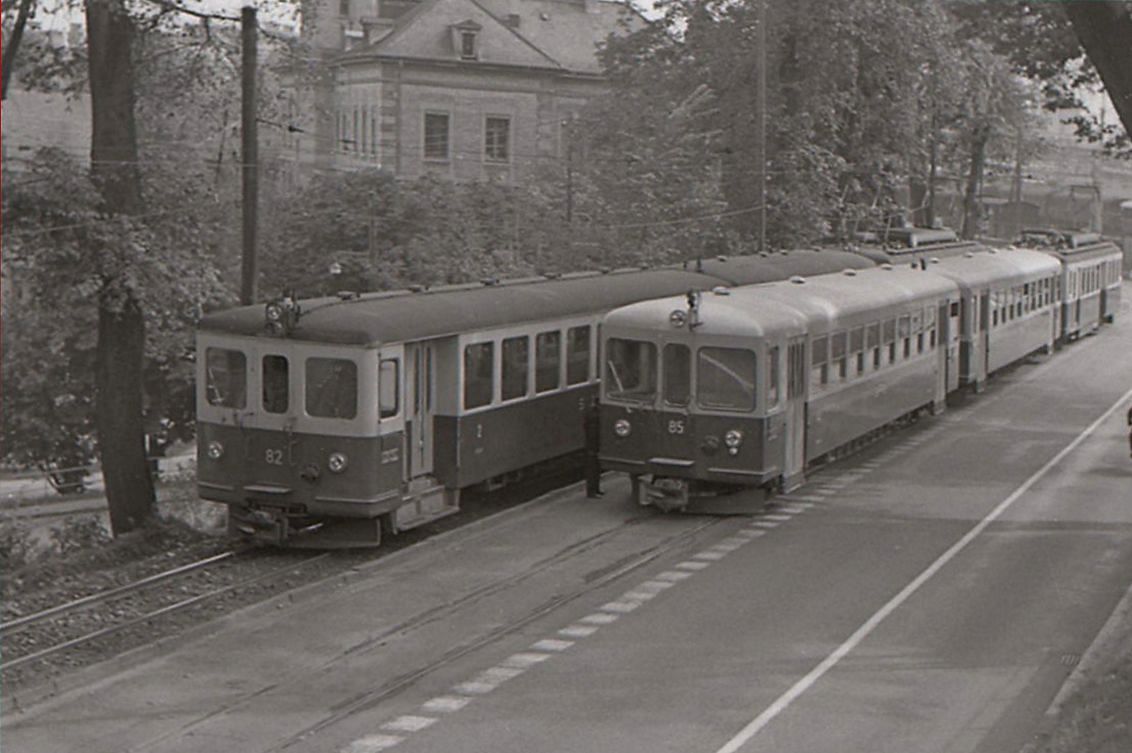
475	688
409	723
578	631
600	618
793	509
786	699
766	523
692	565
748	534
779	518
524	659
620	607
500	675
709	555
551	644
638	595
673	575
372	744
655	585
445	704
805	498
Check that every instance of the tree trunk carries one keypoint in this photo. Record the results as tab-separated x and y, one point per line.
121	326
13	44
1105	30
975	180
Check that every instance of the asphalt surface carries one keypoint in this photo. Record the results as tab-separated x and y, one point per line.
933	593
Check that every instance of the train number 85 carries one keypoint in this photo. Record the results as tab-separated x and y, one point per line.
676	426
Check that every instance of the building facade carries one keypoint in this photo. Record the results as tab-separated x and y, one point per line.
462	89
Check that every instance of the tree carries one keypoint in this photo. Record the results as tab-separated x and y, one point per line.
1105	31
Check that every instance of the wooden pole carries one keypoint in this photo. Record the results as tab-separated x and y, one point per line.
249	157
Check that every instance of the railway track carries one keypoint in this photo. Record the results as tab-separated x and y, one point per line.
95	606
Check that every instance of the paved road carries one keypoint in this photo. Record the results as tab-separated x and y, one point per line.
930	595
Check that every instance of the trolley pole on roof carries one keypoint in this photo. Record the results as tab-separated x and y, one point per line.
249	158
760	121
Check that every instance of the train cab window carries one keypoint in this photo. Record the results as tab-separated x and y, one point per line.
516	366
772	376
578	354
725	379
548	360
275	380
226	377
479	374
332	388
819	360
630	370
677	375
388	388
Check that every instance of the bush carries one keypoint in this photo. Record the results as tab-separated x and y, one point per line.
16	544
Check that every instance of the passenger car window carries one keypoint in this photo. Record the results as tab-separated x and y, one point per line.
515	366
479	383
577	355
548	358
725	379
630	368
275	384
226	378
677	374
332	388
389	388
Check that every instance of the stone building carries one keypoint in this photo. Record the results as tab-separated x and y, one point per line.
463	89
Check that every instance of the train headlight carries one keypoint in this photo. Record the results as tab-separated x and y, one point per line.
215	450
733	439
678	318
622	427
337	462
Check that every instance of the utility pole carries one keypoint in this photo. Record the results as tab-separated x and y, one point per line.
760	123
249	157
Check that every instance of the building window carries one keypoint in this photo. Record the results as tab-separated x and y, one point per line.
436	135
468	45
497	138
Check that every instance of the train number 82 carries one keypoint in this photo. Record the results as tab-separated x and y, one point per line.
274	457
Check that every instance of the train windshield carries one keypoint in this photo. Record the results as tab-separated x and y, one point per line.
226	378
677	375
725	379
630	370
332	388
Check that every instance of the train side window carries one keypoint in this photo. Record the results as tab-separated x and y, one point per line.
725	379
578	354
819	370
890	339
837	345
772	376
872	342
479	381
332	388
226	377
548	359
388	388
904	332
276	389
516	366
677	374
920	343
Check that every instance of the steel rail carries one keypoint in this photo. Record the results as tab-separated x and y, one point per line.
169	609
86	601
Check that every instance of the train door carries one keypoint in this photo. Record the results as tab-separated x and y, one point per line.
948	334
419	408
981	356
794	413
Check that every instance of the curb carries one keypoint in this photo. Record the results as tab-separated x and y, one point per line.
1113	636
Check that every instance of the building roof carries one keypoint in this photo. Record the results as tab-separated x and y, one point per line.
555	35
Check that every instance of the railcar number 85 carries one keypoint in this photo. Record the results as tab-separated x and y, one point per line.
676	426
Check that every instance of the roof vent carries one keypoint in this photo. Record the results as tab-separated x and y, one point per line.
722	257
935	260
887	266
970	254
798	280
721	290
849	272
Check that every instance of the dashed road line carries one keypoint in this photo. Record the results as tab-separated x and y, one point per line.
409	723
